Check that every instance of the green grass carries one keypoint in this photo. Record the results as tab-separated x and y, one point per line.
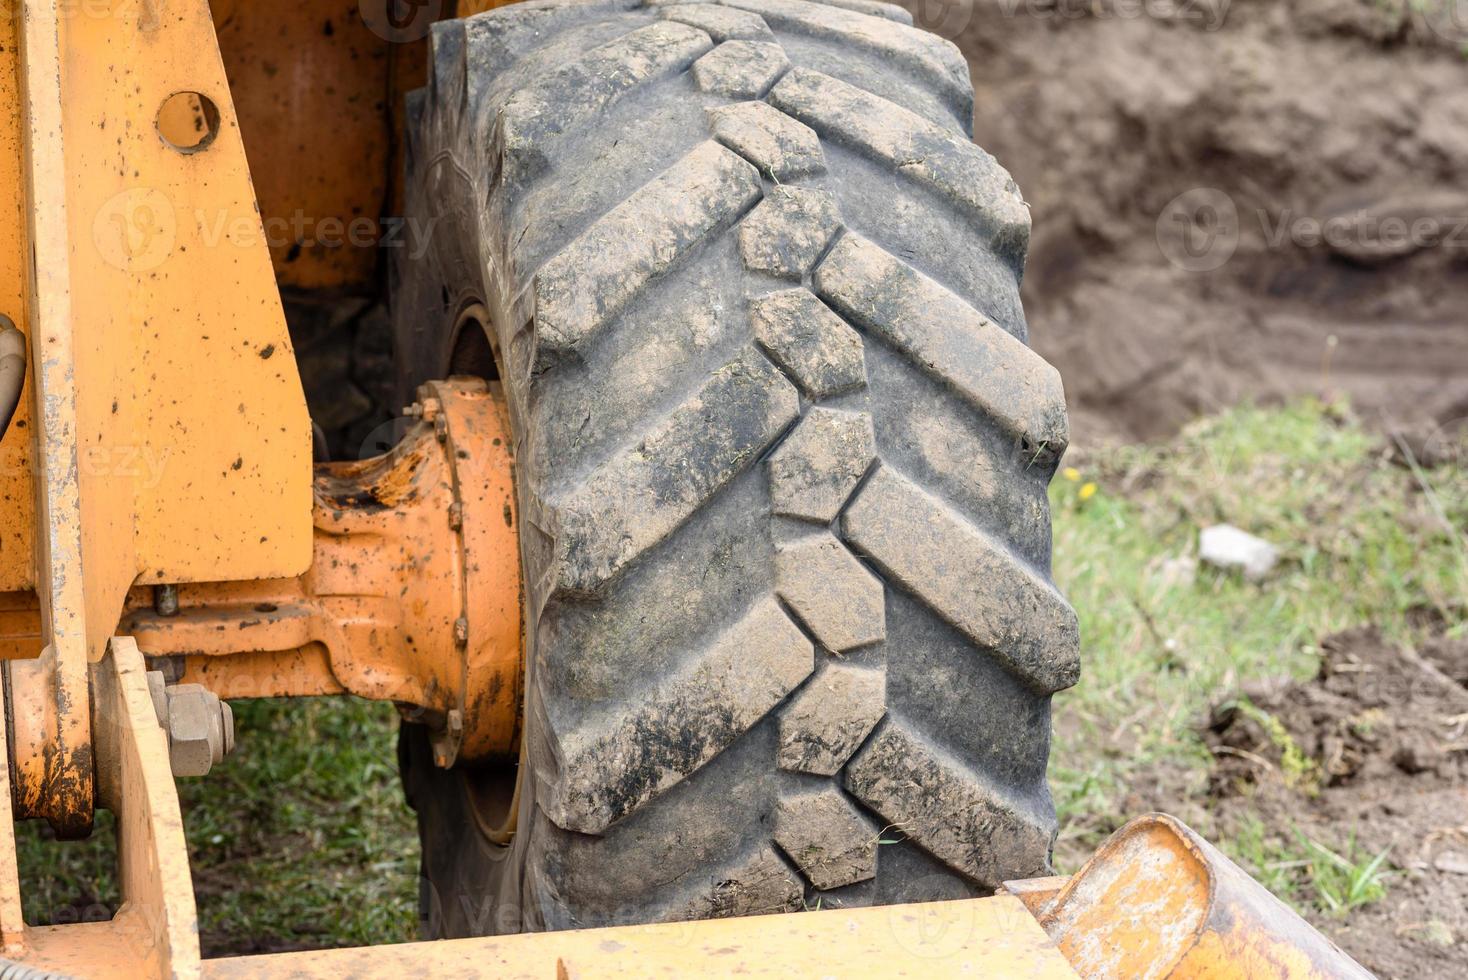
300	839
1363	540
1299	868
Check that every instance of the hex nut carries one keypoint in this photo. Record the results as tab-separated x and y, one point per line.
200	729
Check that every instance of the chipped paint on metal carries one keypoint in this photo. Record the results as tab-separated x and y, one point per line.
413	594
1158	901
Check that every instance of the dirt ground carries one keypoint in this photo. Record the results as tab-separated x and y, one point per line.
1371	757
1183	160
1374	754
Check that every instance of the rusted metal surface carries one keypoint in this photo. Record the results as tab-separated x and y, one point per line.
413	595
311	88
17	449
58	781
985	937
155	930
20	626
476	439
1159	901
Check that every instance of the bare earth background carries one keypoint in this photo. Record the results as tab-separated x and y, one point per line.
1296	110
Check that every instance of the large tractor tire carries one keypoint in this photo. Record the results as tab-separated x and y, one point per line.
781	461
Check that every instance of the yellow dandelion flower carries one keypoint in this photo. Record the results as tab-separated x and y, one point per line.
1087	491
1072	474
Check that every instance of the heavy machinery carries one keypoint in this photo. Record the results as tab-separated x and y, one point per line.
716	539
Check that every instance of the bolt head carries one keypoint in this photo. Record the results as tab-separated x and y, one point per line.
200	729
461	631
456	515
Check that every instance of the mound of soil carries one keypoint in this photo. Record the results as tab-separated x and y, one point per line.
1374	713
1233	199
1375	746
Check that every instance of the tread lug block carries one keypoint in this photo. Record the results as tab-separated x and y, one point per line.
720	23
831	843
832	593
758	885
812	344
968	578
820	463
942	160
573	94
951	812
874	8
592	279
610	768
783	149
949	340
828	718
785	234
634	500
937	62
740	69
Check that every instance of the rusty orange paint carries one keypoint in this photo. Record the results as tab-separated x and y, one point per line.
17	462
155	930
468	8
413	594
31	710
311	85
20	626
59	779
1157	901
1036	893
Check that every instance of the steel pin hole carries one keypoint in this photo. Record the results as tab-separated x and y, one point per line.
188	121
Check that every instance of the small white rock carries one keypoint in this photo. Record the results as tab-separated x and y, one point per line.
1225	546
